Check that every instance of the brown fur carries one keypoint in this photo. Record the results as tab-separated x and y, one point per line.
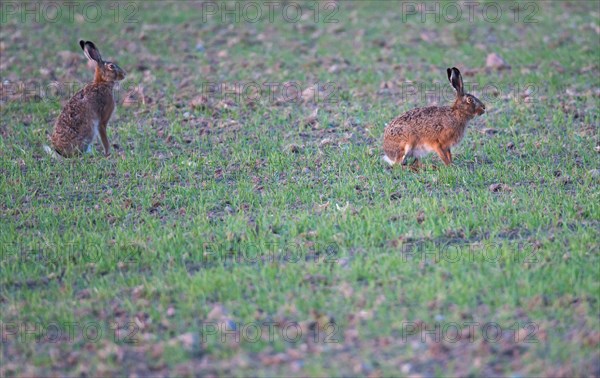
433	128
87	113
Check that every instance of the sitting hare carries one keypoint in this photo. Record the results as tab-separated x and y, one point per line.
86	114
422	130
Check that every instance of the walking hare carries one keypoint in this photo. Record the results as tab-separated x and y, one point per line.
434	128
87	113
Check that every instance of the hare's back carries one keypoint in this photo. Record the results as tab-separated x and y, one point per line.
421	116
77	112
74	127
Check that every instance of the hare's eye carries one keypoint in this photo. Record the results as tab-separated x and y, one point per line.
469	100
111	67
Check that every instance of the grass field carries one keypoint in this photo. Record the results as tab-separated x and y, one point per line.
245	234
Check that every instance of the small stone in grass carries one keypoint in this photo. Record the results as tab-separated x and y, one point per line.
293	148
325	142
396	196
495	188
406	368
83	294
186	340
489	131
566	180
594	173
199	102
495	61
170	311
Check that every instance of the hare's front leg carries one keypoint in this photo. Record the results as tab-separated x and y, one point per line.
104	139
407	154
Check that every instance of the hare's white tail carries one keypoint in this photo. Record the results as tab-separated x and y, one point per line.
51	152
387	160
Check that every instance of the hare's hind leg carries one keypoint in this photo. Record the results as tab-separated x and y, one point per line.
441	153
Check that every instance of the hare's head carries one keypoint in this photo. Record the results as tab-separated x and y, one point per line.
105	71
465	103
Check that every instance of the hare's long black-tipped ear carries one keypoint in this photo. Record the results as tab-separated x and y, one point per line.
456	80
90	51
